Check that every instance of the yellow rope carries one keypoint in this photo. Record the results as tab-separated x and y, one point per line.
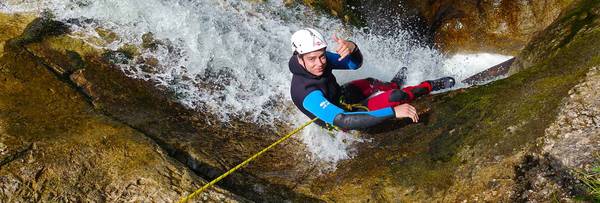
357	106
199	191
352	107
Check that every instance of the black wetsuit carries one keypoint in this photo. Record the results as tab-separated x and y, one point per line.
319	96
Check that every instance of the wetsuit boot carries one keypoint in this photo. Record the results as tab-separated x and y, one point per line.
442	83
400	77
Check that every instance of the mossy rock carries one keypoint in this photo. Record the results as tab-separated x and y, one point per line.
578	19
107	35
343	9
149	42
39	28
58	148
185	134
13	25
468	146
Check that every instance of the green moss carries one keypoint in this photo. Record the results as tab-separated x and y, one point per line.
75	60
423	173
348	12
129	50
495	120
149	42
591	180
352	15
583	7
107	35
581	17
123	55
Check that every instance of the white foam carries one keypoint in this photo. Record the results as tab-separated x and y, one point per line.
245	46
465	65
329	147
384	56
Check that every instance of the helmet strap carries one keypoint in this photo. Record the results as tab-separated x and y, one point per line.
302	59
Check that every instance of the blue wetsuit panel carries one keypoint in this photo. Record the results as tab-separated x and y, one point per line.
351	62
319	106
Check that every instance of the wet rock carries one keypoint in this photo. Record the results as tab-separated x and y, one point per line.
39	28
74	153
149	42
574	138
488	26
142	181
76	62
490	73
544	179
79	79
149	65
346	10
477	144
207	149
3	148
13	27
456	26
523	131
29	158
107	35
129	50
558	35
117	57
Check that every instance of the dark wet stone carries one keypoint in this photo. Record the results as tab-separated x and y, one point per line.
40	28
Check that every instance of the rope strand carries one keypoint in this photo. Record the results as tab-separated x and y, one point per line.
211	183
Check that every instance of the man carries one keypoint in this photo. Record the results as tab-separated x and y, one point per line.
316	93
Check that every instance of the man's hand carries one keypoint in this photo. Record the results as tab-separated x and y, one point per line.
344	47
406	110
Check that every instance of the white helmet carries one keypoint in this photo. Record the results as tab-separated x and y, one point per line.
307	40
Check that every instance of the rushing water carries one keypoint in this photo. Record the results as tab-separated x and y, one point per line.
229	57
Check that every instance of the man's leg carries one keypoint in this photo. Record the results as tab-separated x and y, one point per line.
396	97
358	91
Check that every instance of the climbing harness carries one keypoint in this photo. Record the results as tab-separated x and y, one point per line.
332	129
352	107
199	191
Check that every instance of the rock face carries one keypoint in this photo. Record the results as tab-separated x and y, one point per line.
73	127
457	26
55	147
578	21
194	138
516	139
570	142
487	26
344	9
574	136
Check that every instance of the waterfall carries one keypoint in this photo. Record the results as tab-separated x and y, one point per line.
229	57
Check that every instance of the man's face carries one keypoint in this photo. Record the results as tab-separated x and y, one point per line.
314	62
